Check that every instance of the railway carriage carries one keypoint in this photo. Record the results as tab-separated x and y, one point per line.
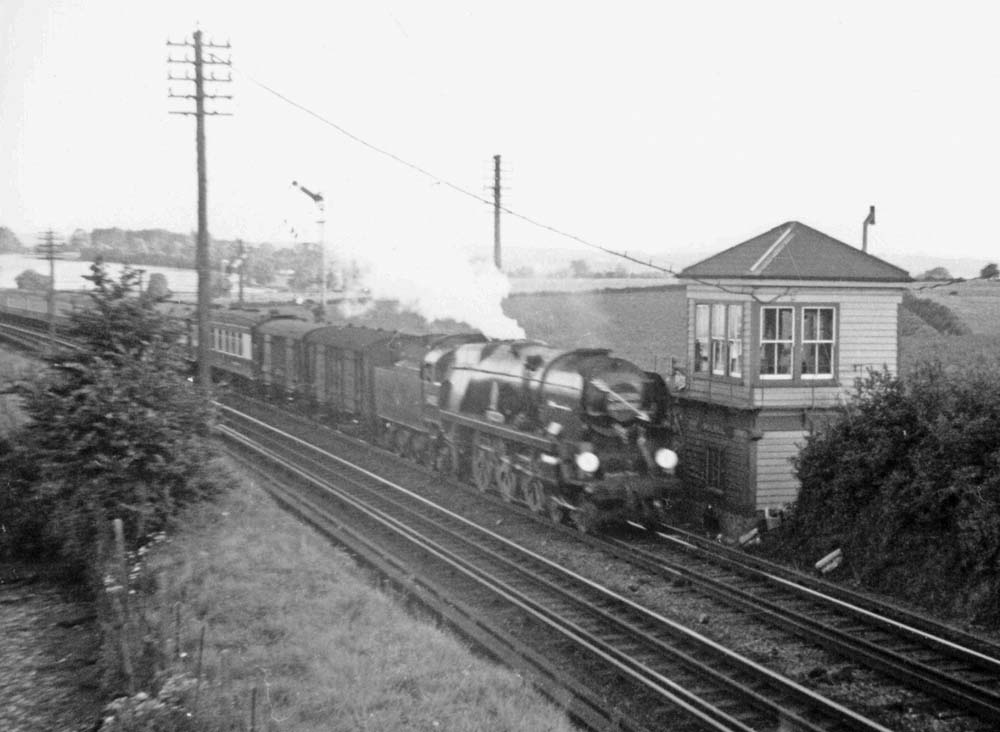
281	356
340	366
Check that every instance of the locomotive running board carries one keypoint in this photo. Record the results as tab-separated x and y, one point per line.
497	430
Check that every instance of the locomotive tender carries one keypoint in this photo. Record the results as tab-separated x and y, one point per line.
577	434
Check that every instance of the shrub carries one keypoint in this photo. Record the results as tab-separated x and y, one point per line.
116	430
907	482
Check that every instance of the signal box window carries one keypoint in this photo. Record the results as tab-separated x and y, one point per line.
718	340
701	338
777	338
735	341
714	457
817	343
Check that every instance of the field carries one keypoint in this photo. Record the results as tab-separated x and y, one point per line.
647	326
977	303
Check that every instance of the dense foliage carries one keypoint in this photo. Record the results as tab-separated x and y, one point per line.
116	429
9	241
907	483
29	279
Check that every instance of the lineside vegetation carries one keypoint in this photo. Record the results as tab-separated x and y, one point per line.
217	611
114	431
906	481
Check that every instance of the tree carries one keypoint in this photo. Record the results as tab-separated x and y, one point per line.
9	241
219	284
117	431
157	288
29	279
989	272
936	273
579	268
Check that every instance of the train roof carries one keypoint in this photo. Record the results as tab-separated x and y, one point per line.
245	318
287	327
354	337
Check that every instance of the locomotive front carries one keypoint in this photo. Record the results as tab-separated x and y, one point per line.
580	434
617	459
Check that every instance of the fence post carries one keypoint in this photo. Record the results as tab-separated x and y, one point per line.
122	605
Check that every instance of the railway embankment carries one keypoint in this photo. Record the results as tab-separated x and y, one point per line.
245	619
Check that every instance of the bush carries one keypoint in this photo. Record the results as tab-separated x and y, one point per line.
907	482
116	430
29	279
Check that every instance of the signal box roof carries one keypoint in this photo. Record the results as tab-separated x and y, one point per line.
794	251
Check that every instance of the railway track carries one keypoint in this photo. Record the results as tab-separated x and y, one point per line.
32	339
659	669
959	670
940	660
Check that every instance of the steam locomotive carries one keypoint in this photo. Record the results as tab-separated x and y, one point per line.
578	435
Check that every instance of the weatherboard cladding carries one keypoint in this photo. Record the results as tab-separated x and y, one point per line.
796	251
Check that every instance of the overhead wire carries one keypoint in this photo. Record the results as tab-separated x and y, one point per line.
443	181
459	189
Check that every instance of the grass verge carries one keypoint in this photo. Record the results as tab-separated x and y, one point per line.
285	632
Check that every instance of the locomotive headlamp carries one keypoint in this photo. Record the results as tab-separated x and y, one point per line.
666	458
588	462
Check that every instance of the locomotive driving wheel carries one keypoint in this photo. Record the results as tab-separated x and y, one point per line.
482	468
402	442
420	449
507	481
585	516
444	459
557	512
535	495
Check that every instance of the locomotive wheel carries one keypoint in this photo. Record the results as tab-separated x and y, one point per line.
557	514
482	469
419	449
387	437
444	459
507	481
402	446
535	495
585	516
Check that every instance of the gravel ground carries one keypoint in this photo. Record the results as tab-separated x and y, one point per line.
48	643
866	691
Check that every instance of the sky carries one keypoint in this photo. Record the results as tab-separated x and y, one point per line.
665	129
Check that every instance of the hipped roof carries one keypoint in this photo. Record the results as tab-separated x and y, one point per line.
794	251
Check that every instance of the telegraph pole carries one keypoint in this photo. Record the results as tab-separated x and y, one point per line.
241	260
202	256
496	211
47	243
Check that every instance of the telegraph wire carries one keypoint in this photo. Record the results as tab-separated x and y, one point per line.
528	219
454	186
